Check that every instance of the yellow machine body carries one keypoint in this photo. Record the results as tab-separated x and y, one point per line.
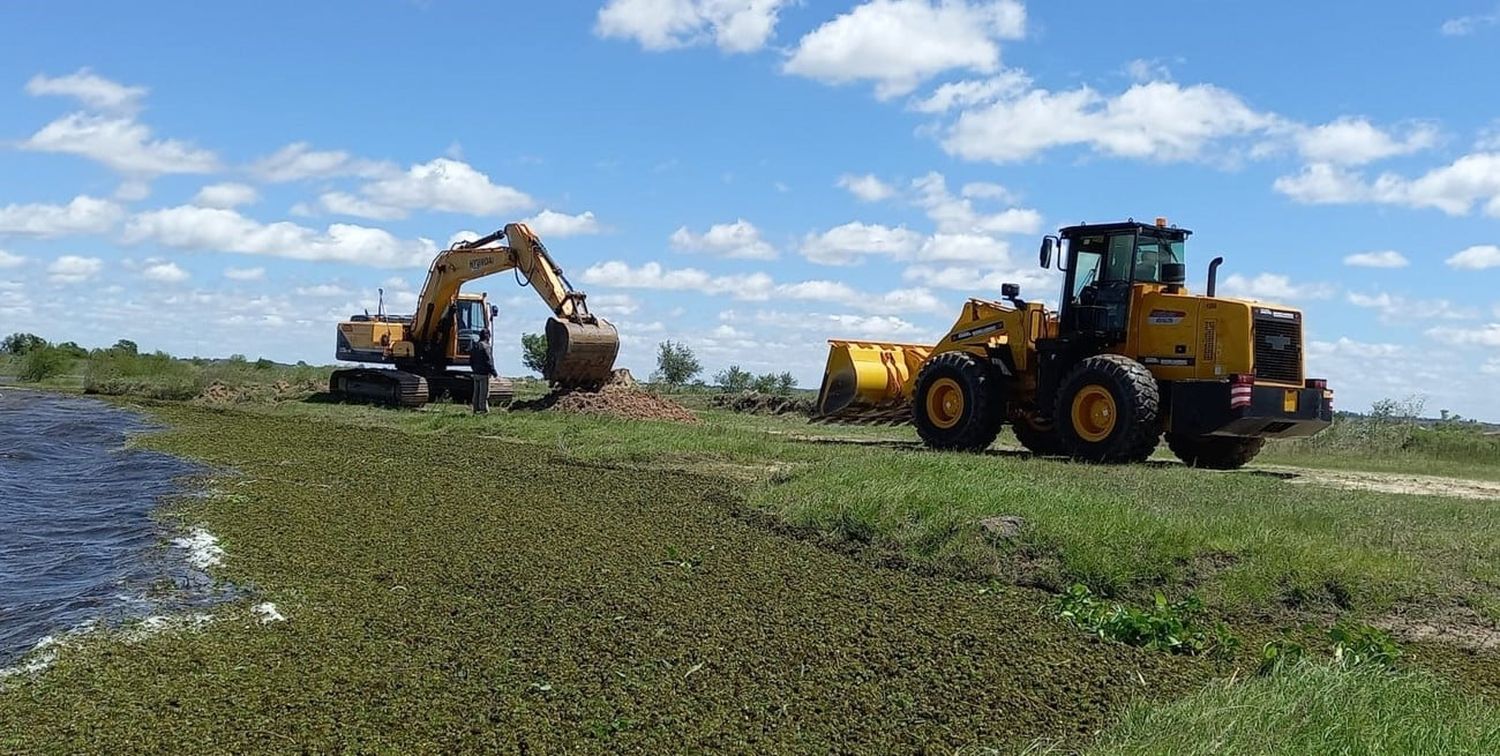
1208	359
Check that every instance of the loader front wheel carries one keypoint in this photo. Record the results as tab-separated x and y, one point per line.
956	404
1108	410
1215	452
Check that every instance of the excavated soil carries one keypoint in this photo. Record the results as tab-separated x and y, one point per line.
219	393
622	399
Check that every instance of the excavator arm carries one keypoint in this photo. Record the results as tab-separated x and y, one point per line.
581	348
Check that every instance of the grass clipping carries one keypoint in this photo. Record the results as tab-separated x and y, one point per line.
621	397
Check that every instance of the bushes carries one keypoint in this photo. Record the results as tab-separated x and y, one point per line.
43	362
117	372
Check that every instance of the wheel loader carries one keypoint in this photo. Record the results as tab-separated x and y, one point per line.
1129	355
421	349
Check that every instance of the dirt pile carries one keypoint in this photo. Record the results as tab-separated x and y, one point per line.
279	391
621	398
756	403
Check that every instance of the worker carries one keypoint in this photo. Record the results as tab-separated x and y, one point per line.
482	364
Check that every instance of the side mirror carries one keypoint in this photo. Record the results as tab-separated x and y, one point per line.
1010	290
1174	273
1049	244
494	311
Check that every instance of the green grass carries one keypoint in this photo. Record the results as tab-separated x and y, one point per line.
1314	708
1394	446
446	592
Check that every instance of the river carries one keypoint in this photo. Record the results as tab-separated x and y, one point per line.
78	544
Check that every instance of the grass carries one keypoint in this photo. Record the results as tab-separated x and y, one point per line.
526	601
1393	445
1313	708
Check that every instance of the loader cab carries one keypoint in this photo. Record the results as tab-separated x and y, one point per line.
1102	264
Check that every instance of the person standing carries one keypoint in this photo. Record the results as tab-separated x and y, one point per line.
482	364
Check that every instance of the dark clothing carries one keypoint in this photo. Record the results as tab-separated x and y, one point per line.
480	360
481	395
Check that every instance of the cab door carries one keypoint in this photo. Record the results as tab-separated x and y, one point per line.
1097	297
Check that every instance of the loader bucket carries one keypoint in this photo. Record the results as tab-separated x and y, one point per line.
580	355
868	381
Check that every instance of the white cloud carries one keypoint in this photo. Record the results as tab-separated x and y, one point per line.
652	275
738	240
83	215
1398	309
986	279
899	44
164	272
554	224
218	230
736	26
963	94
245	274
298	161
90	89
971	248
344	203
1383	259
850	243
442	184
226	195
1275	287
1463	26
72	269
957	215
1478	257
756	287
1355	141
613	305
323	291
11	260
1454	188
120	143
1485	335
866	188
1161	121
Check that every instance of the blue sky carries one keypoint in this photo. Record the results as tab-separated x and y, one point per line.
751	177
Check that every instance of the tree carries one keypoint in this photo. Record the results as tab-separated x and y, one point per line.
765	383
534	351
21	343
125	346
785	383
71	349
675	363
733	378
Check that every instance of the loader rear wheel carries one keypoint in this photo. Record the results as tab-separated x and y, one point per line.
956	404
1039	437
1108	410
1215	452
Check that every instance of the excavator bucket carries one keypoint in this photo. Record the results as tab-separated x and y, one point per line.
580	355
869	382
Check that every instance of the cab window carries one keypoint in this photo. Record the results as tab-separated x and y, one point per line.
1151	253
1121	252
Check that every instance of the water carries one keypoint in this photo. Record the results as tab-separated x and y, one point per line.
78	545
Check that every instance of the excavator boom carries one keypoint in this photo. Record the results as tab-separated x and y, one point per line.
581	348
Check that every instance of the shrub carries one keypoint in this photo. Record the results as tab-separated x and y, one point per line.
40	363
1165	626
534	351
733	378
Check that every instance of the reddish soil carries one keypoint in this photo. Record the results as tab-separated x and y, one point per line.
615	400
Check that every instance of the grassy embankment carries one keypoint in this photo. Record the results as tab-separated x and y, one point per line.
543	527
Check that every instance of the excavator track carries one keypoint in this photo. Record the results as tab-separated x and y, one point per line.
395	388
459	389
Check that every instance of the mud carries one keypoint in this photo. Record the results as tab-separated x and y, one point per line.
755	403
619	399
1459	627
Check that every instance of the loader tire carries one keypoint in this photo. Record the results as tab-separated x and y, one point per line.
957	404
1041	439
1109	410
1215	452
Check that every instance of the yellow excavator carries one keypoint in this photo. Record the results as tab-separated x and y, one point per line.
421	349
1128	356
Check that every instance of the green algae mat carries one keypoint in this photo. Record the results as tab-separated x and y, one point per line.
450	593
